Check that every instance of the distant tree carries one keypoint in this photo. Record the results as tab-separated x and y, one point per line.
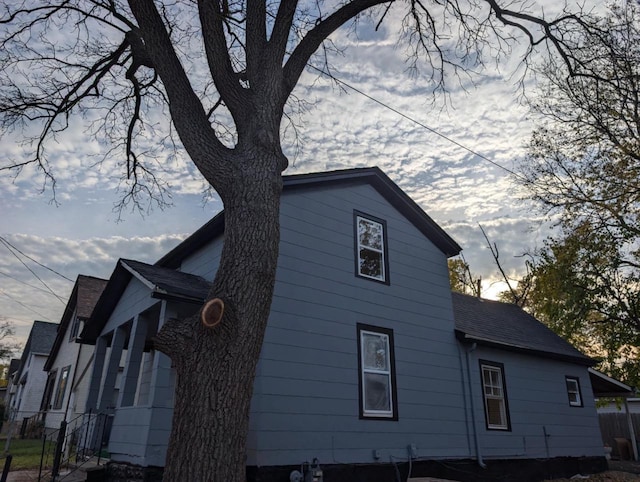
223	73
460	278
578	293
583	169
8	345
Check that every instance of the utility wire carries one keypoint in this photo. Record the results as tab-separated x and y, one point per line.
22	304
410	119
415	121
6	244
24	283
35	261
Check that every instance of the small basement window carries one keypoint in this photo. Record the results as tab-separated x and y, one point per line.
377	373
573	391
371	247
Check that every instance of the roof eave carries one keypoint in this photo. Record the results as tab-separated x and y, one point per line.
581	360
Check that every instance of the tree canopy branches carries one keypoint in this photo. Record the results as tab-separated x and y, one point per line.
583	168
114	60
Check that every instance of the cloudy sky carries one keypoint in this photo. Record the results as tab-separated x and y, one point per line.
80	233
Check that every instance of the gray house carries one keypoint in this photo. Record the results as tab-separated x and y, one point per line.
371	369
26	403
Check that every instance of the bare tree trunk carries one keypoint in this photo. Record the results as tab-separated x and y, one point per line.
217	365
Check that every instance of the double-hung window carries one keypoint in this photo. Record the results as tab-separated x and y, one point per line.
376	373
573	391
495	397
371	248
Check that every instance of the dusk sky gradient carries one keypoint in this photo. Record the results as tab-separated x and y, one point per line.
459	190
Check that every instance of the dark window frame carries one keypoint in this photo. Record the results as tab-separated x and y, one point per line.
499	366
385	248
49	387
577	381
393	416
61	387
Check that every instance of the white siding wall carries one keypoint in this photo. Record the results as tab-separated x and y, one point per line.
31	393
66	356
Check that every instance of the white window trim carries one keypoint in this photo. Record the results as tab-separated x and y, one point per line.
576	382
501	398
383	265
390	414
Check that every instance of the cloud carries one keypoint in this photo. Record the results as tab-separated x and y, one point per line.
26	296
423	146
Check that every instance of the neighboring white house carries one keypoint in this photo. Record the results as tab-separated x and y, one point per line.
12	389
30	378
69	364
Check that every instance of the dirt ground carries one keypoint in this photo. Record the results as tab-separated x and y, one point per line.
619	471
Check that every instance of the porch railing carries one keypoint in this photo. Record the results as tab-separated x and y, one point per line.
76	443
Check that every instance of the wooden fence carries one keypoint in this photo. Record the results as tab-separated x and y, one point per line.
615	426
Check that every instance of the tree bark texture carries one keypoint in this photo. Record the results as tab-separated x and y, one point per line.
215	367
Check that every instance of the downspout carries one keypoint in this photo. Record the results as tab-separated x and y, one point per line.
476	436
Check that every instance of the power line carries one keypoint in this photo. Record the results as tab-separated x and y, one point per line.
7	244
35	261
23	305
415	121
24	283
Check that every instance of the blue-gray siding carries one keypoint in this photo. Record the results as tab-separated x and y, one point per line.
543	424
306	402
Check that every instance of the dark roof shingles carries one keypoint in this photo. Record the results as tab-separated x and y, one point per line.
509	325
171	282
89	291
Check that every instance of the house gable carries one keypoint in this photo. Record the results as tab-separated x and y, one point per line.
84	296
372	176
158	282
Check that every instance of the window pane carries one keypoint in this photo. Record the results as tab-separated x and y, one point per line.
573	391
375	349
495	412
370	233
371	263
376	392
494	397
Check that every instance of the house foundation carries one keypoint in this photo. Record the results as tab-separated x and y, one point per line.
466	470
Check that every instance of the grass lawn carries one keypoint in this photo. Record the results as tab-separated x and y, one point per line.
26	453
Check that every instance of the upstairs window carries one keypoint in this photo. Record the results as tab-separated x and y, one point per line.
495	397
573	391
371	248
376	373
74	330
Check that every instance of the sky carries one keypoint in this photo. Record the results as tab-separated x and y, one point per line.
44	242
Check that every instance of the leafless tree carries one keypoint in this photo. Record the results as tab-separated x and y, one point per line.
223	70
